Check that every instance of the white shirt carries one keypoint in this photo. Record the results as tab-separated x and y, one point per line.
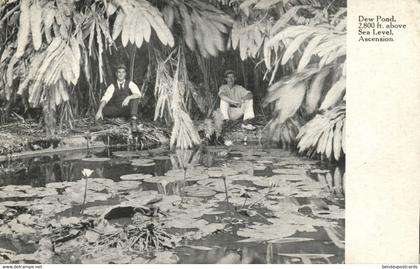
236	93
109	92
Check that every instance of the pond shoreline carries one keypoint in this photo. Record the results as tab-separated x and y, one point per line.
28	139
22	140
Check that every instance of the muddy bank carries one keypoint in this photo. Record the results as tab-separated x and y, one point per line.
26	139
29	139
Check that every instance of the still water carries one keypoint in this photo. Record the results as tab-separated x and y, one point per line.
294	207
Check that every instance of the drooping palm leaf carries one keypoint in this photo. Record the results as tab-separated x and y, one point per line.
135	20
203	25
324	134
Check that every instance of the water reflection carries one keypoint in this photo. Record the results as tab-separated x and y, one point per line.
324	244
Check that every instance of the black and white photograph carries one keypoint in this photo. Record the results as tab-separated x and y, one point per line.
173	131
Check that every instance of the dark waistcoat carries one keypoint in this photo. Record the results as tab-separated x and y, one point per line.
119	94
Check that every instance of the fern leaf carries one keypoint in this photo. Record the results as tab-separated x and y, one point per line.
313	95
337	140
36	21
243	45
288	98
110	9
187	27
309	51
24	28
235	35
118	24
265	4
126	30
100	51
334	95
294	46
161	29
343	137
329	145
48	16
286	17
140	34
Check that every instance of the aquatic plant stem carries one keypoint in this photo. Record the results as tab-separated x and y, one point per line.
183	184
227	198
244	202
82	210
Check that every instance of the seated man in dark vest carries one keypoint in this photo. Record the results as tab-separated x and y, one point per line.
121	98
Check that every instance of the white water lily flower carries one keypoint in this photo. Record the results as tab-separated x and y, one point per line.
87	172
228	143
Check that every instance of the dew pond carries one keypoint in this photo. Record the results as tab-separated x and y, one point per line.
239	204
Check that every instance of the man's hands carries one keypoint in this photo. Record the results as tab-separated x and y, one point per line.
126	101
236	104
129	98
99	115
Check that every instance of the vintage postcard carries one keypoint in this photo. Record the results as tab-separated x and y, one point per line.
209	132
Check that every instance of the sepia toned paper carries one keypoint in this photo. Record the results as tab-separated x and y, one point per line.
382	167
383	138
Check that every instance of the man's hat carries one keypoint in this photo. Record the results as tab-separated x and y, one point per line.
121	66
230	71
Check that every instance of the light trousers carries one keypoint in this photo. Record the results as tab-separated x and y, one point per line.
234	113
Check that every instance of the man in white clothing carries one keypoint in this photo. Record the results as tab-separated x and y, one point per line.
236	101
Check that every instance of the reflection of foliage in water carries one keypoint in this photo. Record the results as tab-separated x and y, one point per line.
297	202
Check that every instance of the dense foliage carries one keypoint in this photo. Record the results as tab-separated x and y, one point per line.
58	55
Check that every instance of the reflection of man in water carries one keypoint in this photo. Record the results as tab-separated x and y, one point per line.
121	98
236	101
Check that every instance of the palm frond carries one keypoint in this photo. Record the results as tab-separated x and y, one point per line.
134	22
324	134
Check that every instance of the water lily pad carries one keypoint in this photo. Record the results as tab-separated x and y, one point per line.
199	191
96	159
260	167
69	220
59	185
266	232
125	154
135	177
127	185
25	191
198	247
165	257
191	174
26	219
247	212
95	210
334	212
105	256
142	162
215	172
206	230
161	158
288	171
234	153
260	153
183	222
160	180
91	236
264	162
319	171
140	198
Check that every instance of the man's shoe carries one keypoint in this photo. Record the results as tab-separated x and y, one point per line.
249	127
